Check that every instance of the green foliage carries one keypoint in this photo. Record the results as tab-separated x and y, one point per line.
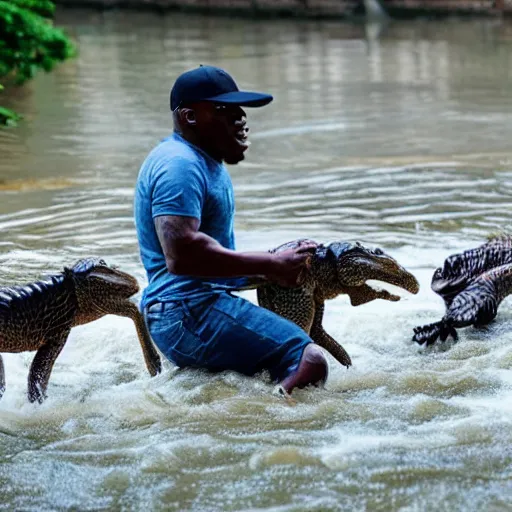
7	117
29	42
44	8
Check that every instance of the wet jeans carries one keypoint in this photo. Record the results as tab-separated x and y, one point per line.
225	332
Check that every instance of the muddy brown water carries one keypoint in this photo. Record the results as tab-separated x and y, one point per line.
397	136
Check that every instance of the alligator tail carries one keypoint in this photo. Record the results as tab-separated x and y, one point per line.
327	342
430	333
339	353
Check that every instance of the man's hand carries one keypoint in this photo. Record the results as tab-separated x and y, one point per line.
290	265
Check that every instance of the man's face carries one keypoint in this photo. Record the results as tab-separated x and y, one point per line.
222	130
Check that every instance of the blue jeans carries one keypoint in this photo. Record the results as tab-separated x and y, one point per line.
225	332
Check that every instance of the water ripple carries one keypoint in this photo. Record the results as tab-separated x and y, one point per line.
401	140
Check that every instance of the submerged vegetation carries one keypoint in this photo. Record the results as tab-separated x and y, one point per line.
28	42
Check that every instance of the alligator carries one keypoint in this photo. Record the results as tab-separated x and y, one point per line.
334	269
39	316
472	285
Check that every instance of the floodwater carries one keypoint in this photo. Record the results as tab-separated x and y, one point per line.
398	136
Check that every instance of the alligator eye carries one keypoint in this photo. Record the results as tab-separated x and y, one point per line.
102	262
378	252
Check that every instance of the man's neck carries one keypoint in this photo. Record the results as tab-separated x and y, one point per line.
192	139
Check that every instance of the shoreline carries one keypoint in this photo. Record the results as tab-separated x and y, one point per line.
308	9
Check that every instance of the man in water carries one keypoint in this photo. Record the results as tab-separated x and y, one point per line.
184	215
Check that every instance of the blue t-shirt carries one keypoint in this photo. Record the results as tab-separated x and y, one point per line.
178	178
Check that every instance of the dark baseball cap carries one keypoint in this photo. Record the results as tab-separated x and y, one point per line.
208	83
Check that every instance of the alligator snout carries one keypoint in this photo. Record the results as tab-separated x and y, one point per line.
407	281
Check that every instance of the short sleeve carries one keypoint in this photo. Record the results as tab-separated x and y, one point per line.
179	188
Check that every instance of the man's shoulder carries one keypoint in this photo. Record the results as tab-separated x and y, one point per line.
171	154
174	148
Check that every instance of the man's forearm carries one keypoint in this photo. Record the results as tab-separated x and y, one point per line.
202	256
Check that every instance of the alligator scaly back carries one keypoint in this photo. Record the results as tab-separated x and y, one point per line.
40	315
27	310
460	269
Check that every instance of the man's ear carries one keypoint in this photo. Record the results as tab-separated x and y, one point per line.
188	116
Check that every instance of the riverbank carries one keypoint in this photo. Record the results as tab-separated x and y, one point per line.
296	8
311	8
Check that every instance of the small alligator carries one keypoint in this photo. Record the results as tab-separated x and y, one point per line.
472	285
335	269
40	315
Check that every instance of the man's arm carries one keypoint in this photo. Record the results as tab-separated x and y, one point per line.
187	251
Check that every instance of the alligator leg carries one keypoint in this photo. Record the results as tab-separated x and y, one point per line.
151	357
2	377
364	293
295	304
42	365
325	340
474	306
430	333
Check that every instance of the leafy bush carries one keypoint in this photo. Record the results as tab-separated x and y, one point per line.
29	42
7	117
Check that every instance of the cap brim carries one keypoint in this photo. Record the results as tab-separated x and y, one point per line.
242	98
